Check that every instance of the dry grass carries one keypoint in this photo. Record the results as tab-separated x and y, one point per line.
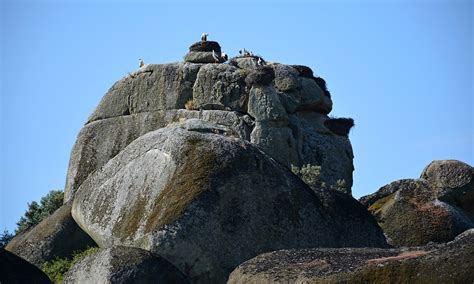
189	105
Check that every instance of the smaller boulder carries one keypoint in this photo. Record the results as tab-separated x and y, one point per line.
245	62
57	236
264	105
203	57
304	71
221	87
14	269
286	77
261	76
313	98
444	263
124	265
410	214
454	182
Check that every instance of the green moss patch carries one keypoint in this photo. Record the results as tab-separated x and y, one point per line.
191	179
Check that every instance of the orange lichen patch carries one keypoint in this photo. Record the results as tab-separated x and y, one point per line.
402	256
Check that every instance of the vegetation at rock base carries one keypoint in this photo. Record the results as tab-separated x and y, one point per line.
5	238
58	267
37	212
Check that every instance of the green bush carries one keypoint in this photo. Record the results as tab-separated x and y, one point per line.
340	185
37	212
310	174
59	266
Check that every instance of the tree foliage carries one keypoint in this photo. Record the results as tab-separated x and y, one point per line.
37	212
310	174
5	238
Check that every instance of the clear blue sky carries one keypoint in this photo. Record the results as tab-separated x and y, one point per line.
402	69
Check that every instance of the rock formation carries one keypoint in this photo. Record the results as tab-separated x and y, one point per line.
430	209
184	171
285	113
445	263
190	161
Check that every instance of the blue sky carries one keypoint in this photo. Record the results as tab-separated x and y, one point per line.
402	69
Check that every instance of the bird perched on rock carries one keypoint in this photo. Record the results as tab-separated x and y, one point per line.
141	63
244	52
224	56
204	37
260	61
214	55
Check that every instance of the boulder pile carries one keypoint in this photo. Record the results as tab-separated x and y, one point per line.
186	170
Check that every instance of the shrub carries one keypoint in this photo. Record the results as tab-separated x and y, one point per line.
310	174
340	186
189	105
37	212
59	266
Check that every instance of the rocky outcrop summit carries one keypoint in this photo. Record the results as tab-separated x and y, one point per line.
444	263
434	208
285	116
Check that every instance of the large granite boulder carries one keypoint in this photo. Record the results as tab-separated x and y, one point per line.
16	270
454	182
124	265
57	236
207	200
410	213
446	263
101	140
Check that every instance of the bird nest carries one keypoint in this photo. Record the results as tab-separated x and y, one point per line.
322	84
340	126
205	46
